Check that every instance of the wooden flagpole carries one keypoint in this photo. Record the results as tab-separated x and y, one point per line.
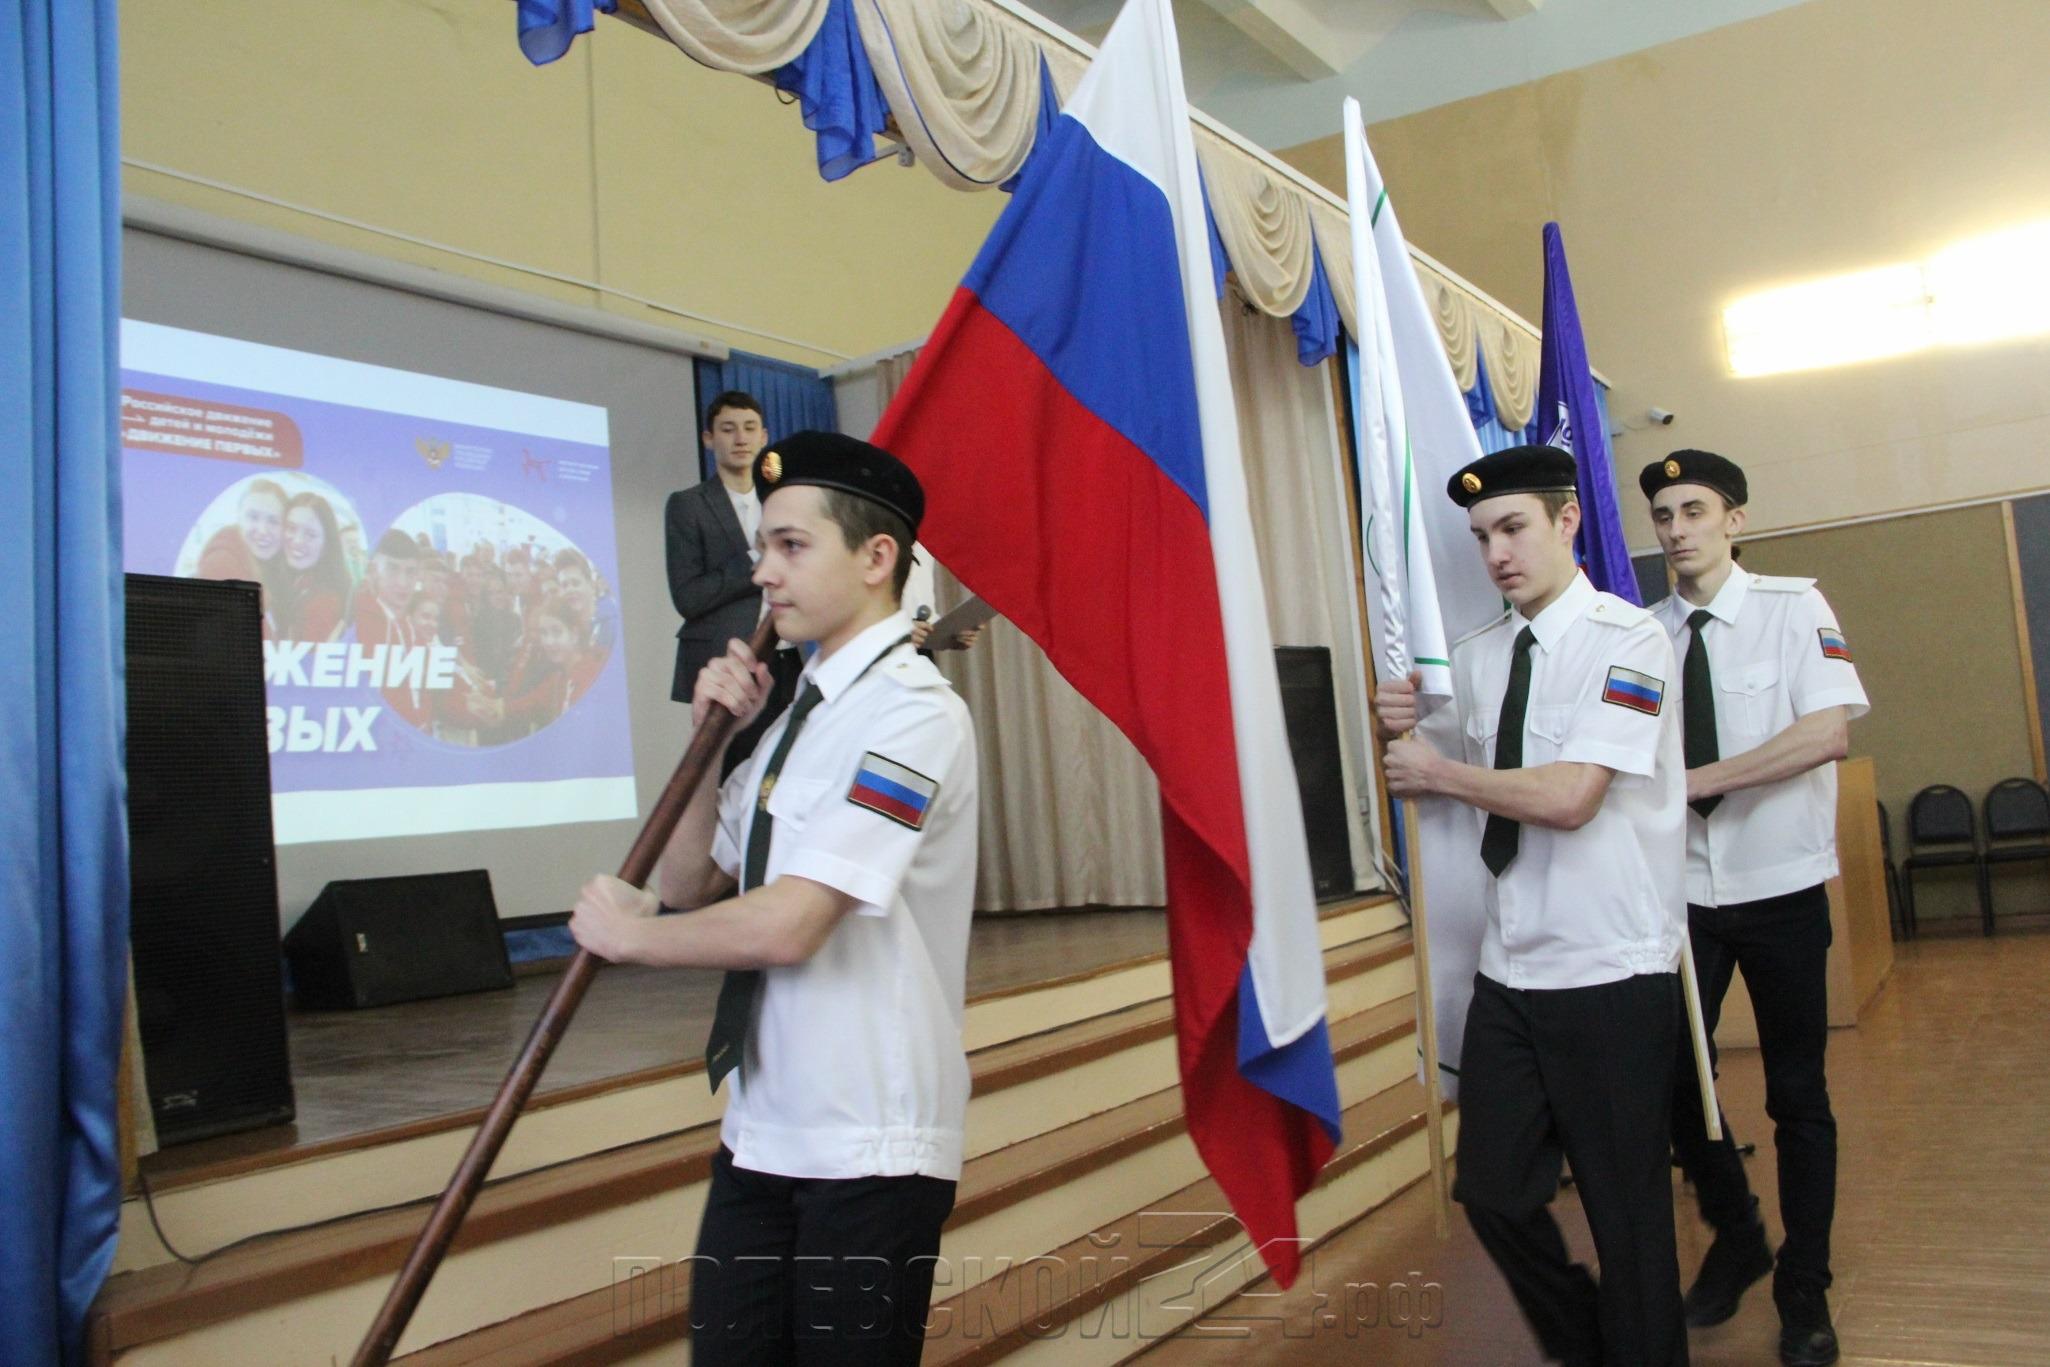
1426	1020
447	1217
1697	1035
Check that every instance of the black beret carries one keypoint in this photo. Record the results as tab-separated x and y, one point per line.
1696	467
832	460
1518	470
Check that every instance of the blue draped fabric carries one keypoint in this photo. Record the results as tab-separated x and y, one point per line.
1487	423
794	398
547	27
63	828
837	93
1049	110
1316	320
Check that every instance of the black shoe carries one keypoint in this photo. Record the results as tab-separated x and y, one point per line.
1734	1261
1807	1339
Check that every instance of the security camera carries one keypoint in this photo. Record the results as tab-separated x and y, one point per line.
1660	416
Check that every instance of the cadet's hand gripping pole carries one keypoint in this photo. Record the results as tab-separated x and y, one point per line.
706	745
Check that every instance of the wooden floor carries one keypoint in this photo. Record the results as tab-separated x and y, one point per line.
1942	1239
359	1072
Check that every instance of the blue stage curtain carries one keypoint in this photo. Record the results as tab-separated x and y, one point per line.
794	398
546	28
837	93
63	828
1316	320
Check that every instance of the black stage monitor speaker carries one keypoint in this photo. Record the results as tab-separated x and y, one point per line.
375	941
203	911
1311	711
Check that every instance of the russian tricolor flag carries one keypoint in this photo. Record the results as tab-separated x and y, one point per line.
1072	421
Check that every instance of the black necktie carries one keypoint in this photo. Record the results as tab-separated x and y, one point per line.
1498	841
737	993
1697	715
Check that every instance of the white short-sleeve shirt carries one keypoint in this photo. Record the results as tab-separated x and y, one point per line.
855	1065
1605	902
1775	654
747	507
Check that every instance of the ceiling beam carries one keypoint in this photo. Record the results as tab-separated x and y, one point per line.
1294	33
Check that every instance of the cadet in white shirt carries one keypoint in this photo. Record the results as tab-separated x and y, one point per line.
1572	758
1765	692
852	835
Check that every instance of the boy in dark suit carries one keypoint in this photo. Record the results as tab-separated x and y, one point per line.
709	534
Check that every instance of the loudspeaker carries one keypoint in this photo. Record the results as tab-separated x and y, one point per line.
1310	710
376	941
203	909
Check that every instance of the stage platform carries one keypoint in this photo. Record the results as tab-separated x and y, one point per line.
367	1077
1075	1126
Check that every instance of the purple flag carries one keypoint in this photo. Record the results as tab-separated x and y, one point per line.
1568	418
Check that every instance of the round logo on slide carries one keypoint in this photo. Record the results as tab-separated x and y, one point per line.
295	534
531	621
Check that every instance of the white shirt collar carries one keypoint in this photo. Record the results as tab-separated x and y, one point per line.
1728	600
847	664
1551	625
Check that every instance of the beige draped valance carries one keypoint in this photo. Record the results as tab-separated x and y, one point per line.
1265	225
962	82
961	78
750	36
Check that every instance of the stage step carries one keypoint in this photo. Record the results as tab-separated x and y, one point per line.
1056	1117
1113	1290
214	1205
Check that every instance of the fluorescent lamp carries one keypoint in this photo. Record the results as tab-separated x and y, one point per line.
1987	289
1840	320
1984	289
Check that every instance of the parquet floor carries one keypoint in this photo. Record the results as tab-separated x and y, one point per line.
1942	1239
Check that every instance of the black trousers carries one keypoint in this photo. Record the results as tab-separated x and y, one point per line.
784	668
1782	946
802	1272
1580	1074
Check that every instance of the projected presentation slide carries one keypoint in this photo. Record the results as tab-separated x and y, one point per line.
441	606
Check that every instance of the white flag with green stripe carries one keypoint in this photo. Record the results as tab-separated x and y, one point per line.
1407	625
1413	433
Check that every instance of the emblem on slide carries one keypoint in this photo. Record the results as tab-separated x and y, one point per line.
1638	692
1833	645
889	789
432	451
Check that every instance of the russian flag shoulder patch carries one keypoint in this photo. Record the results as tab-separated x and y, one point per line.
1833	644
889	789
1638	692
